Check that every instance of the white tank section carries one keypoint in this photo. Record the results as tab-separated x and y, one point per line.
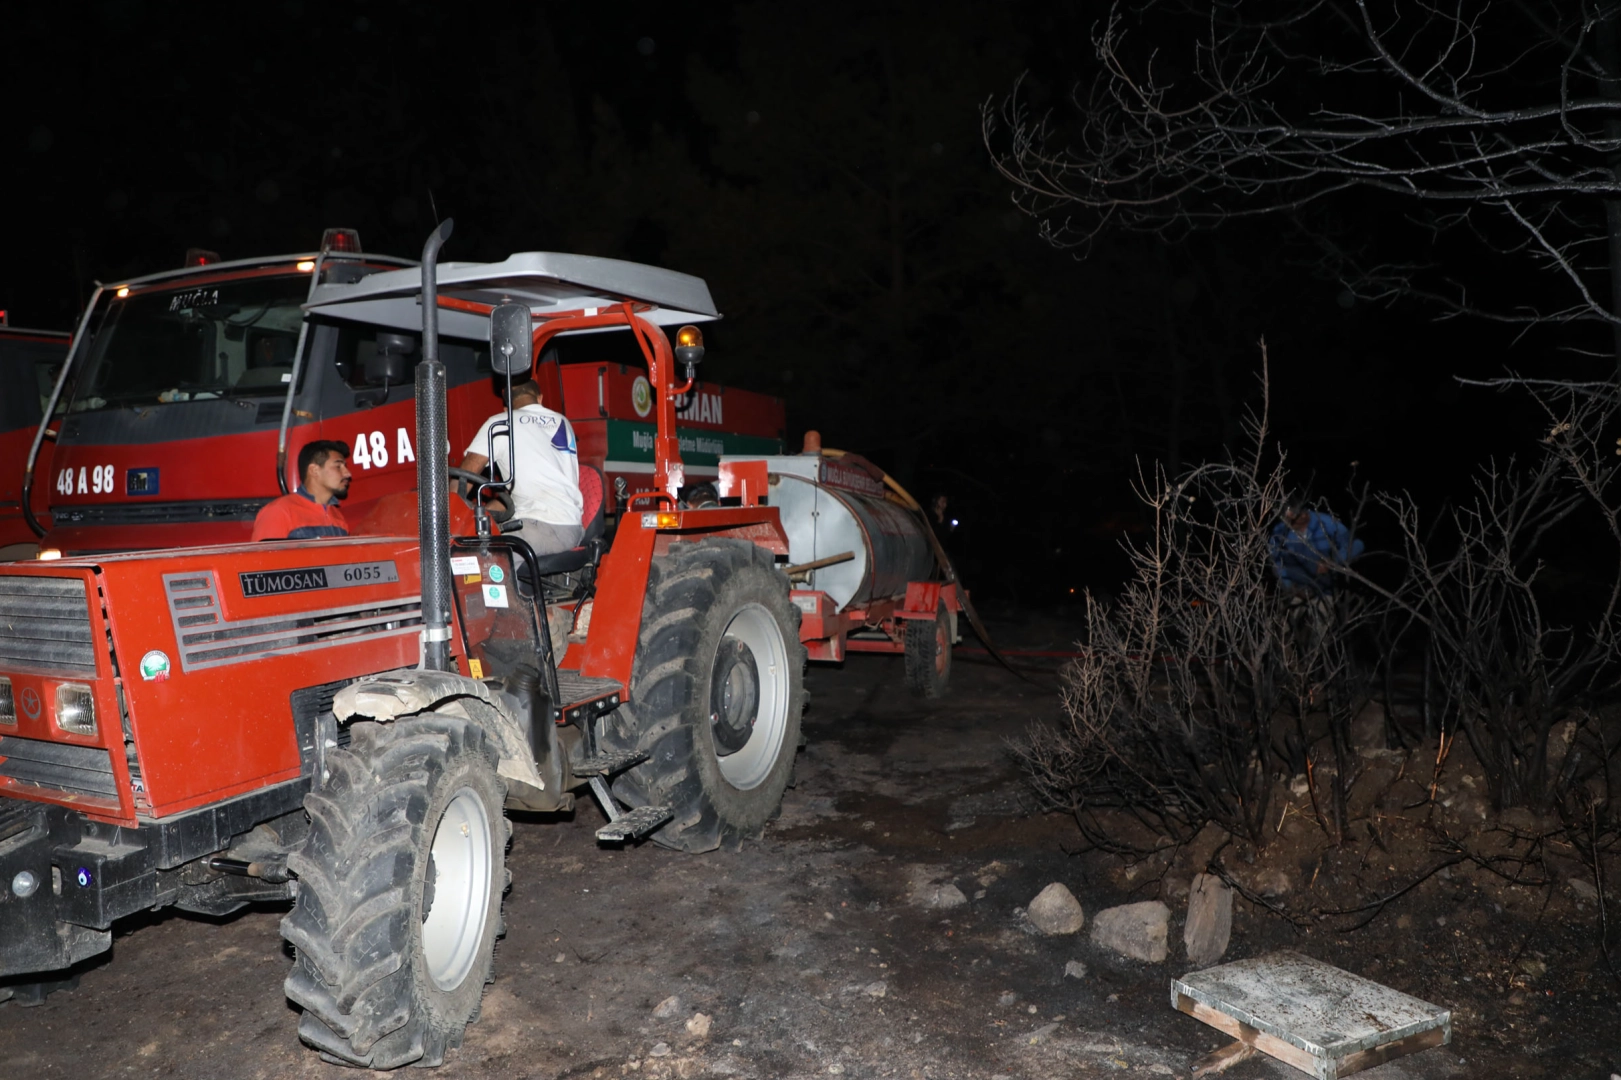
824	517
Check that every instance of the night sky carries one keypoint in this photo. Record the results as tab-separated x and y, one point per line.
819	164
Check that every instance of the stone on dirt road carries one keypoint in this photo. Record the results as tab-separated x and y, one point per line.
1210	920
929	887
668	1009
1074	970
1056	911
1135	930
876	990
699	1025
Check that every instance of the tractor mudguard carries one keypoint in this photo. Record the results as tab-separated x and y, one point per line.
409	691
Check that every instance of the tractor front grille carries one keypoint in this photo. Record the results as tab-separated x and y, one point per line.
59	767
208	639
45	623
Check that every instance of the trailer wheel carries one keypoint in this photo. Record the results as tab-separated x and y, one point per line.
399	899
928	654
716	694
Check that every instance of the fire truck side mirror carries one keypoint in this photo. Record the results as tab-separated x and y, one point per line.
511	343
387	366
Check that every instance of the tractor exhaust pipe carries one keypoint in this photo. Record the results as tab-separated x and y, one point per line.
433	480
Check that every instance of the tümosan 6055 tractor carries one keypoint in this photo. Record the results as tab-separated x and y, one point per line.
343	722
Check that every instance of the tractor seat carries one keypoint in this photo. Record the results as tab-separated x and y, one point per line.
591	518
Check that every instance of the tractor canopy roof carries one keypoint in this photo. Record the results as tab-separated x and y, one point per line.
546	281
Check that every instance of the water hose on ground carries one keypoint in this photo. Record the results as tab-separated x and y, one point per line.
904	498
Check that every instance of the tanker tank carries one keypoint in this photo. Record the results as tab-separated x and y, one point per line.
829	508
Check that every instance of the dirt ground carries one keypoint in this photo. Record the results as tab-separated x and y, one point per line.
814	951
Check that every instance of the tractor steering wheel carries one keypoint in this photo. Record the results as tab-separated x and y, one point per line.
467	485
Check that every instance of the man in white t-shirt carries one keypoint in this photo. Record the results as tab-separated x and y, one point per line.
546	489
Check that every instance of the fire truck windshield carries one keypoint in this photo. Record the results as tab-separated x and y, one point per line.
192	342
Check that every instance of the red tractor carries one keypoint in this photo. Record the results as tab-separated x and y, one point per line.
342	722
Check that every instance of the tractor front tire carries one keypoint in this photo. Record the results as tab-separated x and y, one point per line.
928	654
399	898
716	694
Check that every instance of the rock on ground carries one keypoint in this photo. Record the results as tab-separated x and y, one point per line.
1135	930
1056	911
1074	970
938	897
699	1025
1368	727
668	1009
1210	920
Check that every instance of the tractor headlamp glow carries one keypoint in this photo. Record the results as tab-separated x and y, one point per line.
304	266
123	291
688	336
661	520
75	709
8	703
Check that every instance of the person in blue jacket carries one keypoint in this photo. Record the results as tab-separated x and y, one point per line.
1306	545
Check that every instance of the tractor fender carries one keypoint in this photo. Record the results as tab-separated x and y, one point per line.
409	691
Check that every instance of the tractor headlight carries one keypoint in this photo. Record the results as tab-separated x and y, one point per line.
8	704
75	709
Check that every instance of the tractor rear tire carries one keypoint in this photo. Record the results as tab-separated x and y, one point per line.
399	899
928	654
716	694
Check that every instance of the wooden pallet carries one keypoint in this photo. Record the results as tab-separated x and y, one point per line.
1324	1021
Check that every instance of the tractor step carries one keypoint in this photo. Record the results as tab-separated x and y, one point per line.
609	763
634	824
582	697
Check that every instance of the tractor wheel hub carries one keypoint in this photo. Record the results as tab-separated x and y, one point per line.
734	696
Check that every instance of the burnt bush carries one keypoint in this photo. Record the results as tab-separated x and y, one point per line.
1518	588
1202	678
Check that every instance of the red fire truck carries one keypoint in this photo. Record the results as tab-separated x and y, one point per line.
30	361
189	393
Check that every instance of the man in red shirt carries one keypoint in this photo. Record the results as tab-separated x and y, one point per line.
311	511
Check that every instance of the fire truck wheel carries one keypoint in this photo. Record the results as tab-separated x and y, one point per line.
716	694
399	897
928	654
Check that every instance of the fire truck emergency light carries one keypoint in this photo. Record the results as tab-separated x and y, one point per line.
346	240
201	257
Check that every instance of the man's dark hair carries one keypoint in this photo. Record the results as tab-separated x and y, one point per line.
528	386
316	453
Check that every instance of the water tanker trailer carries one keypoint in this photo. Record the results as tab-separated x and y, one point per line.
870	577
